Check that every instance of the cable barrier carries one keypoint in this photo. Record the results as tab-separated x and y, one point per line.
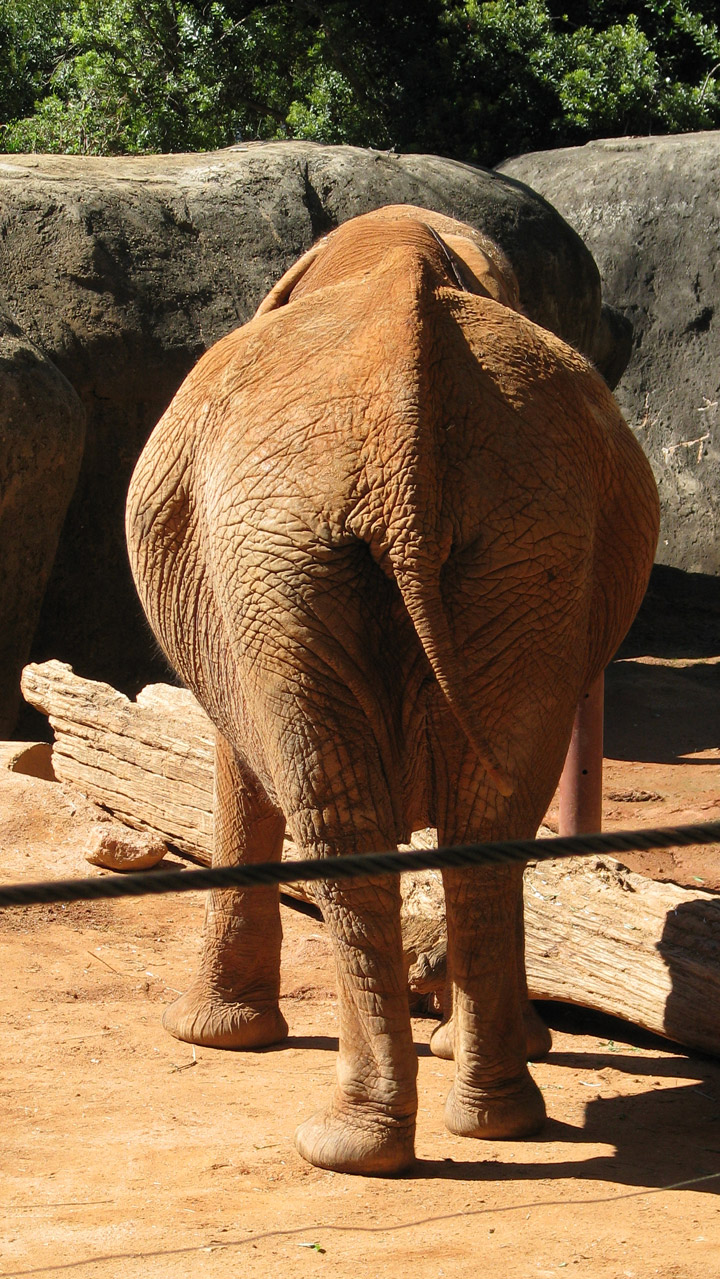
354	866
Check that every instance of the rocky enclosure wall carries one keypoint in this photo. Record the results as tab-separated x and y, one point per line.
123	271
649	211
42	429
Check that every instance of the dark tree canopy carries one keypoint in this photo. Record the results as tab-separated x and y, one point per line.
474	81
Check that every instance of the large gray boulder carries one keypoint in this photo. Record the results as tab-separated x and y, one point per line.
42	427
649	210
126	270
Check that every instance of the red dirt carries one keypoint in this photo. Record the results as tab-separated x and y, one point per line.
125	1153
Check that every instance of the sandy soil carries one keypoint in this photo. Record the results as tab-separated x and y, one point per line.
126	1153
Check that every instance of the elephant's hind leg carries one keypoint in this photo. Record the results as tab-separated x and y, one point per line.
369	1125
494	1095
233	1001
538	1039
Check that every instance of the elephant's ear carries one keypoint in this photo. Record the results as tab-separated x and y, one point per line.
279	294
485	272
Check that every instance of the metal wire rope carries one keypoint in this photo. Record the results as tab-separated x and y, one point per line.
354	866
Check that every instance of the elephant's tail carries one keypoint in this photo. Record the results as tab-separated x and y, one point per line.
423	602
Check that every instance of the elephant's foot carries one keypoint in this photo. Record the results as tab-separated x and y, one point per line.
441	1041
512	1110
360	1140
537	1035
538	1038
199	1017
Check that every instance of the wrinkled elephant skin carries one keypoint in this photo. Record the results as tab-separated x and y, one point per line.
387	532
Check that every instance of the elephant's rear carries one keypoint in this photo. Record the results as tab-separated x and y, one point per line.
378	533
481	462
627	534
554	472
167	544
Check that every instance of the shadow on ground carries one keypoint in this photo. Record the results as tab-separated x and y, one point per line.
679	617
662	1137
656	714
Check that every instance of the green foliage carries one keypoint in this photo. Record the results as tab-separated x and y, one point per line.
627	77
472	80
610	80
26	40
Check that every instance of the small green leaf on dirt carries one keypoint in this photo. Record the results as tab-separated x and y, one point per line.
315	1246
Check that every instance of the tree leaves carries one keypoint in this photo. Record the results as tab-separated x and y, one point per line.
471	80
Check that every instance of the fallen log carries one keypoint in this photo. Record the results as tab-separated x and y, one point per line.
149	762
597	934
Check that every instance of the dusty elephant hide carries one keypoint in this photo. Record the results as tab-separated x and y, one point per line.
387	533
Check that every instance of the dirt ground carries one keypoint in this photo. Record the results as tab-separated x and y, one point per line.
126	1153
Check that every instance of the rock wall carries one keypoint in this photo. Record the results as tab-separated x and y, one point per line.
123	271
649	211
42	427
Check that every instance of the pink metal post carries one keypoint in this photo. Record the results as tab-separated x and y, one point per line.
581	781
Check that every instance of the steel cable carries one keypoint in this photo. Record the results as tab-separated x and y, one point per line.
355	866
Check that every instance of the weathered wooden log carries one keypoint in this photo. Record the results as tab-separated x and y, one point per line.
149	762
596	934
599	935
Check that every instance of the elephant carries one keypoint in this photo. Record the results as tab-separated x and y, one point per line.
387	532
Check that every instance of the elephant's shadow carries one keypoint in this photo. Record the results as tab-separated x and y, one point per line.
664	1137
